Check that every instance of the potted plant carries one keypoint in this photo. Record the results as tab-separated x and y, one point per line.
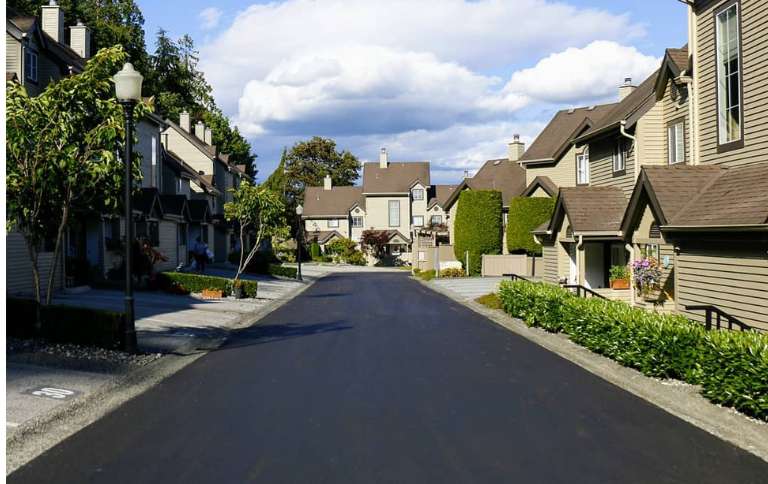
646	274
619	277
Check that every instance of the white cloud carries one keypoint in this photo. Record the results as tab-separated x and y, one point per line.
593	72
210	18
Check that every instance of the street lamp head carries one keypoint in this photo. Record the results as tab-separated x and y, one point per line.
128	83
299	210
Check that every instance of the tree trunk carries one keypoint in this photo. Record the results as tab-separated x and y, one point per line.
57	253
32	249
241	268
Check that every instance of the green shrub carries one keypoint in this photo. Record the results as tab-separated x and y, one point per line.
452	272
491	301
198	282
357	258
731	367
66	324
426	275
525	214
314	250
278	270
618	272
478	227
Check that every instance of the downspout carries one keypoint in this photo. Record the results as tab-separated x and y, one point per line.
623	131
579	258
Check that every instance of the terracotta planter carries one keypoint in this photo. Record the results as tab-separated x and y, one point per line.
620	284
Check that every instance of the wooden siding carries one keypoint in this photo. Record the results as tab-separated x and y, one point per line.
651	137
18	271
563	174
12	55
187	151
734	280
601	166
549	262
168	245
754	17
675	111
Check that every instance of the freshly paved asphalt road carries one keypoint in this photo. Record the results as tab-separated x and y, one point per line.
369	378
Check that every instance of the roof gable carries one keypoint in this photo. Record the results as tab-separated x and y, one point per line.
543	182
589	209
333	203
397	177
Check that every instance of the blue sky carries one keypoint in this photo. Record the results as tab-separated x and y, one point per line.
449	81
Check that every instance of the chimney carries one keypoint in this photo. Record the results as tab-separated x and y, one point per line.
184	121
626	88
327	182
515	148
383	158
466	174
208	136
53	21
80	40
200	130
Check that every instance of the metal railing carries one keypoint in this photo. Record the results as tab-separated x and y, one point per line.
582	291
516	277
721	319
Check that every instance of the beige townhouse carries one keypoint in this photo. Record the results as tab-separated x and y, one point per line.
503	174
395	198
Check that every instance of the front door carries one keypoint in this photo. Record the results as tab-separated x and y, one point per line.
573	268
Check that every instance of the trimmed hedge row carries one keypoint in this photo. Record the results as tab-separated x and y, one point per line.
66	324
478	227
731	367
198	282
278	270
525	214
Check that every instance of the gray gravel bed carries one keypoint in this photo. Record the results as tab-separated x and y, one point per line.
74	357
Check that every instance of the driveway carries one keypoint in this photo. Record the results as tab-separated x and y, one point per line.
368	378
469	287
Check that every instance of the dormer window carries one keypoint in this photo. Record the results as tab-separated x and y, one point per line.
582	168
418	193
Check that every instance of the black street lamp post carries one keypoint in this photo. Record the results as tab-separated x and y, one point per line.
299	240
128	91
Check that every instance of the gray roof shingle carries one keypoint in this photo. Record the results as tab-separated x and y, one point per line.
397	177
337	201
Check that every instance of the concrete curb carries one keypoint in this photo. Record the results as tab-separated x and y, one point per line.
41	433
677	398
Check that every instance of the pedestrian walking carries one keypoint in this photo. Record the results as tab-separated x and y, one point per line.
200	249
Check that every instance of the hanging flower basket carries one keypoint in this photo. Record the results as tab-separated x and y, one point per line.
646	275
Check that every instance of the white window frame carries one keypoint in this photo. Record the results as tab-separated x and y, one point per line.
582	168
356	225
619	157
418	193
422	256
393	213
676	142
724	97
418	220
333	223
31	65
439	221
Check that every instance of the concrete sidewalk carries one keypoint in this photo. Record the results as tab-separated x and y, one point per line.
468	287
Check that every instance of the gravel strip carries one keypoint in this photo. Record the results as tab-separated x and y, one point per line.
71	356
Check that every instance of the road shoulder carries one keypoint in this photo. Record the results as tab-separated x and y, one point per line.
677	398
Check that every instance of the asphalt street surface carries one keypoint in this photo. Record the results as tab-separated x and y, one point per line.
369	378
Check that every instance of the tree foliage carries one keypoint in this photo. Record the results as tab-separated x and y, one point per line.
258	211
525	214
374	242
478	227
307	163
61	154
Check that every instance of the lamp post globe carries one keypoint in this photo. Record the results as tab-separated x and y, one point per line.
299	240
128	93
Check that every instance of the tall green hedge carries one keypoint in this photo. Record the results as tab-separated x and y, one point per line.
730	366
525	214
198	282
478	227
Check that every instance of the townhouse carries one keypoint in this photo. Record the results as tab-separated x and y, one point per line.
395	198
504	175
180	195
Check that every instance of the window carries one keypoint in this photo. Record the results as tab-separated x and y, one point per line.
422	256
333	223
394	213
620	157
729	111
357	222
649	250
418	193
676	140
582	168
418	220
436	220
30	65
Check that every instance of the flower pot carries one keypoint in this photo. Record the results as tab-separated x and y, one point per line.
620	284
212	294
237	292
